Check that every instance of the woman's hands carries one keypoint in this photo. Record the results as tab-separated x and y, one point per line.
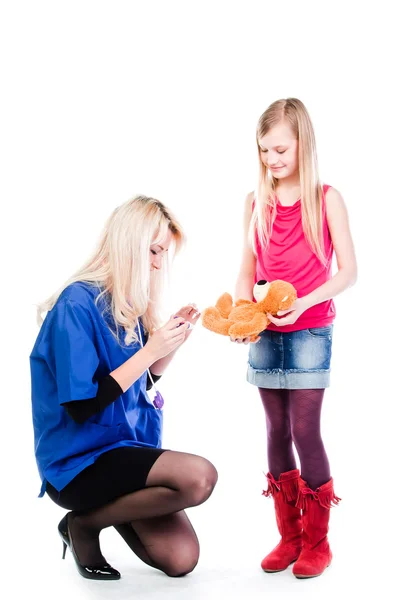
167	339
174	333
191	315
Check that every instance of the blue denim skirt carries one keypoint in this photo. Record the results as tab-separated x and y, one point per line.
291	360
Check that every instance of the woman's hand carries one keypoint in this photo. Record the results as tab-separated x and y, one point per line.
168	338
290	316
191	315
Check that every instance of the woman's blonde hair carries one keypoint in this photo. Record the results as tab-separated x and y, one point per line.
295	114
120	264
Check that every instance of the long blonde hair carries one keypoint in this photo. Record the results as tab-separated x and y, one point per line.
295	114
120	264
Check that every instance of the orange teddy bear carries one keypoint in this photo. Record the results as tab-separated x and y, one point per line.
247	318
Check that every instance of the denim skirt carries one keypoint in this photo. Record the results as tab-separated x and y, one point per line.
291	360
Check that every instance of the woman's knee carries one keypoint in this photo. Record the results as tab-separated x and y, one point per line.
192	476
201	482
183	561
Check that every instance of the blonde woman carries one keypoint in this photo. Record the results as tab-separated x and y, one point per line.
292	227
97	431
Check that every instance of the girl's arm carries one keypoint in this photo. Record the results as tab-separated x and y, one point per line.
339	228
245	280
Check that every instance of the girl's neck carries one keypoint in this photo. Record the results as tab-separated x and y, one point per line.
288	190
289	183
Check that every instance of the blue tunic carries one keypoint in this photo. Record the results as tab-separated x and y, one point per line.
74	349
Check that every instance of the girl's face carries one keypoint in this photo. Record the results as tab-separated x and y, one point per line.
279	151
157	252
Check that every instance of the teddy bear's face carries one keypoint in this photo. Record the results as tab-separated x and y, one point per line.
275	296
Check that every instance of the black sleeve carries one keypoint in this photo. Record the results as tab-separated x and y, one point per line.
149	385
108	391
155	378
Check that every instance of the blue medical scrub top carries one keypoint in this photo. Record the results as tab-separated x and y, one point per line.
74	349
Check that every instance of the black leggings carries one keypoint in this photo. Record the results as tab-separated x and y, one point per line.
114	474
151	520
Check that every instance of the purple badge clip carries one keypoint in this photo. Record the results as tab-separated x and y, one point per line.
158	400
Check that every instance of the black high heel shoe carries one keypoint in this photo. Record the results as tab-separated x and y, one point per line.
100	572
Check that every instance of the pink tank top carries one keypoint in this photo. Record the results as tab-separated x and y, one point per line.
289	257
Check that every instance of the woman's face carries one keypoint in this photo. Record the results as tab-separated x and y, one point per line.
279	151
158	251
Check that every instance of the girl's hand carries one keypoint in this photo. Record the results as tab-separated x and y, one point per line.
245	340
290	316
191	315
168	338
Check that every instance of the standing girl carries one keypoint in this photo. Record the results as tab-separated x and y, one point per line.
292	226
97	432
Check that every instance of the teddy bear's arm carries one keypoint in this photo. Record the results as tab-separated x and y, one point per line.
242	302
211	319
251	328
224	305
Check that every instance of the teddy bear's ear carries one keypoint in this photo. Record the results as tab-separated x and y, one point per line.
287	302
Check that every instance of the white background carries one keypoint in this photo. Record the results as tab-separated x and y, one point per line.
104	100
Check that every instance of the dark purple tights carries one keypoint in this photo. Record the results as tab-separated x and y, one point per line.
293	416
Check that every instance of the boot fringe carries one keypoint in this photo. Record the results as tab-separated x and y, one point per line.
290	489
273	486
288	484
326	497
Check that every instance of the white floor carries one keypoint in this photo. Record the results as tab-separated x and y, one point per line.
236	526
232	546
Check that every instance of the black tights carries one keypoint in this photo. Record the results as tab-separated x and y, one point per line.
293	416
152	520
166	543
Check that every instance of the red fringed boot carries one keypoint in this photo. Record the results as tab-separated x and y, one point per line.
288	517
316	554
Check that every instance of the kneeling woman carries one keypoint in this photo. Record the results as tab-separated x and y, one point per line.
97	432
